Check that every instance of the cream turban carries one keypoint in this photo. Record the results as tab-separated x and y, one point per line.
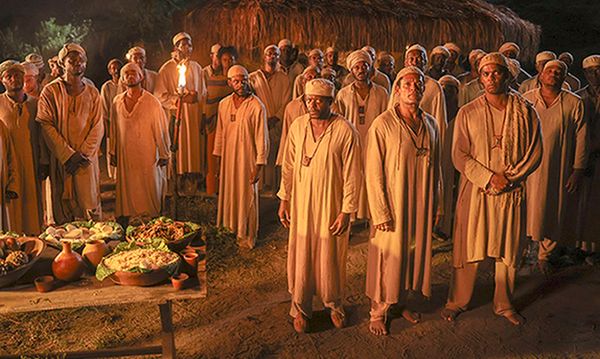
449	80
131	66
356	57
320	87
180	36
328	72
493	58
545	56
215	48
134	50
567	55
407	71
114	61
452	46
315	52
330	49
510	46
30	69
591	61
440	50
269	47
475	53
283	43
237	70
556	63
386	56
53	59
416	47
514	67
370	50
9	65
71	47
35	59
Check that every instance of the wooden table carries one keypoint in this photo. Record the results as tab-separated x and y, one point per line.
89	292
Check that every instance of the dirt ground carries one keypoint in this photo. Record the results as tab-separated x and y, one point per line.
246	312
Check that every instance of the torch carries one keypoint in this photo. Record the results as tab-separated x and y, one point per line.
176	123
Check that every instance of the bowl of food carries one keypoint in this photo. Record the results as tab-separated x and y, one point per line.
17	255
176	234
143	263
81	232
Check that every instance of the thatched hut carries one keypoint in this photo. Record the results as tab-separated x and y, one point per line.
348	24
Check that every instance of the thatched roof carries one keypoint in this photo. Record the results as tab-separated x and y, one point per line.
348	24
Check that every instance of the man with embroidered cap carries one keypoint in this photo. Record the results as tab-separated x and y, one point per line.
31	82
360	103
552	190
191	144
453	66
288	61
511	50
387	65
534	82
496	146
315	58
433	101
439	57
474	88
377	76
404	187
70	114
589	210
331	61
38	61
320	183
137	55
30	162
108	91
139	148
242	145
272	87
573	81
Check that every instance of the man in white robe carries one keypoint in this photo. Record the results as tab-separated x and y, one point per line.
573	81
320	181
496	146
242	145
331	62
315	59
534	82
511	50
271	86
139	149
472	89
108	91
453	65
190	144
293	110
70	114
137	55
404	187
438	59
552	188
288	61
360	103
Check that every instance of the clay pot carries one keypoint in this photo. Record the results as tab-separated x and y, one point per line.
178	280
68	265
44	284
94	251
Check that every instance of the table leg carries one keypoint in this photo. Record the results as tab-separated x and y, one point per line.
167	334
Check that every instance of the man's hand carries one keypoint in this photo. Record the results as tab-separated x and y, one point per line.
190	97
385	226
255	174
162	162
272	122
113	160
43	172
574	181
11	195
340	225
211	123
498	182
284	213
75	161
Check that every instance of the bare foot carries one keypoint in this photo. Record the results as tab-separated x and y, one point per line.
338	320
378	327
514	318
412	317
301	323
449	315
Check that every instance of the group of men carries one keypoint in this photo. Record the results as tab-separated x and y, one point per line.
432	151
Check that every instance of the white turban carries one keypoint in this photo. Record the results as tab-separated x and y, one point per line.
416	47
545	56
30	69
237	70
567	55
113	61
475	53
493	58
514	66
215	48
452	46
356	57
35	59
330	49
9	65
449	80
320	87
440	50
71	47
556	63
180	36
370	50
269	47
591	61
135	50
510	46
408	70
283	43
315	52
131	66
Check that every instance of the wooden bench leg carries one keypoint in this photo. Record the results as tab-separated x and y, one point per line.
168	332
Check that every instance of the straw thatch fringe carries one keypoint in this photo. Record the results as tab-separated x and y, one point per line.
388	25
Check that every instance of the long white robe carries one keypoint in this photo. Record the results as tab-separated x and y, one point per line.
469	92
293	110
70	124
242	142
551	210
405	188
26	212
317	194
108	91
347	103
190	153
140	139
493	225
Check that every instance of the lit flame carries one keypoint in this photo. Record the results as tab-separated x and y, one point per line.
181	68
